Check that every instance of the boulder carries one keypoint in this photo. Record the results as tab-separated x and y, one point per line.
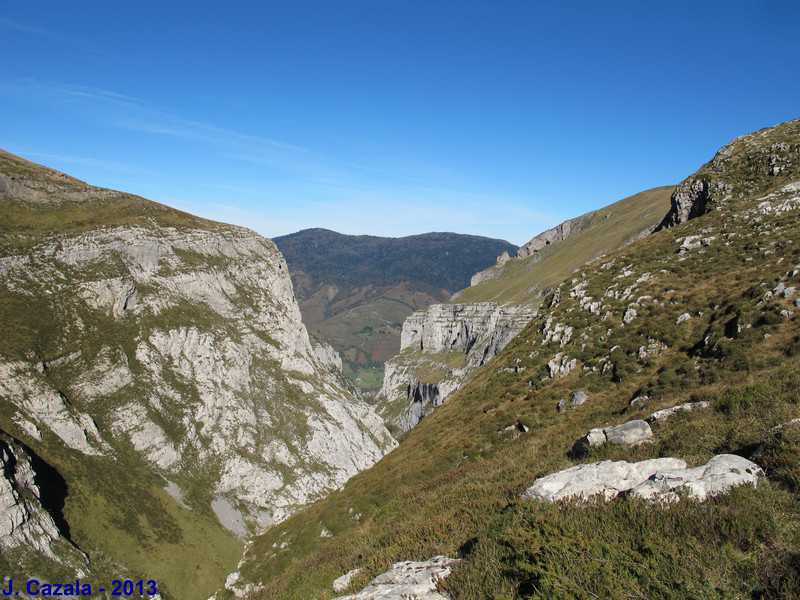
408	579
655	479
608	478
717	476
578	398
628	433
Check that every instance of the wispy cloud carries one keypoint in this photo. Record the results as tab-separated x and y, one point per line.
24	28
87	161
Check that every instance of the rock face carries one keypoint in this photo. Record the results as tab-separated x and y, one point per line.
654	479
559	233
177	339
771	157
452	341
407	580
26	527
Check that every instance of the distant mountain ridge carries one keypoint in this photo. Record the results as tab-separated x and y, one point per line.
441	260
355	291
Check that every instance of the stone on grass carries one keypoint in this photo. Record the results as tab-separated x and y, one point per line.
718	475
661	415
658	479
578	398
408	579
608	478
632	432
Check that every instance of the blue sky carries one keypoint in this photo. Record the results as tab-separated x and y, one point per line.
499	118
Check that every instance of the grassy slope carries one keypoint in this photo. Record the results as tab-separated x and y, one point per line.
520	279
453	486
117	509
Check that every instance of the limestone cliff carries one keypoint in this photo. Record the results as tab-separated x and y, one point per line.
441	348
132	330
742	167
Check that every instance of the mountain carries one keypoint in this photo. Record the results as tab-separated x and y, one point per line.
355	291
161	399
443	346
691	333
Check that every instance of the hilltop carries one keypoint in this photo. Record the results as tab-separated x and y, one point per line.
355	291
703	311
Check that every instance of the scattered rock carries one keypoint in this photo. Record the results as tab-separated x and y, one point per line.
343	582
562	405
628	433
718	475
661	415
682	318
629	315
578	398
408	580
608	478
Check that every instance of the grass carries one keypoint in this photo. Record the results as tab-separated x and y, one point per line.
454	484
519	280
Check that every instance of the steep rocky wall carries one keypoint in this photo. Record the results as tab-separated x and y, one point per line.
441	348
183	344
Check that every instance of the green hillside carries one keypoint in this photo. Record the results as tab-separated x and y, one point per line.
707	310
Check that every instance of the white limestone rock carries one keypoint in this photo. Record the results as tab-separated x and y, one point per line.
661	415
662	479
342	583
219	377
632	432
407	580
25	524
606	478
479	331
718	475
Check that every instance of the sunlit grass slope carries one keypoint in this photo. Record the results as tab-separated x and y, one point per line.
520	279
454	485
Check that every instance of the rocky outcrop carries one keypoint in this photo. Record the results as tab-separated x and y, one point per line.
408	579
26	527
559	233
655	479
181	340
770	158
441	348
